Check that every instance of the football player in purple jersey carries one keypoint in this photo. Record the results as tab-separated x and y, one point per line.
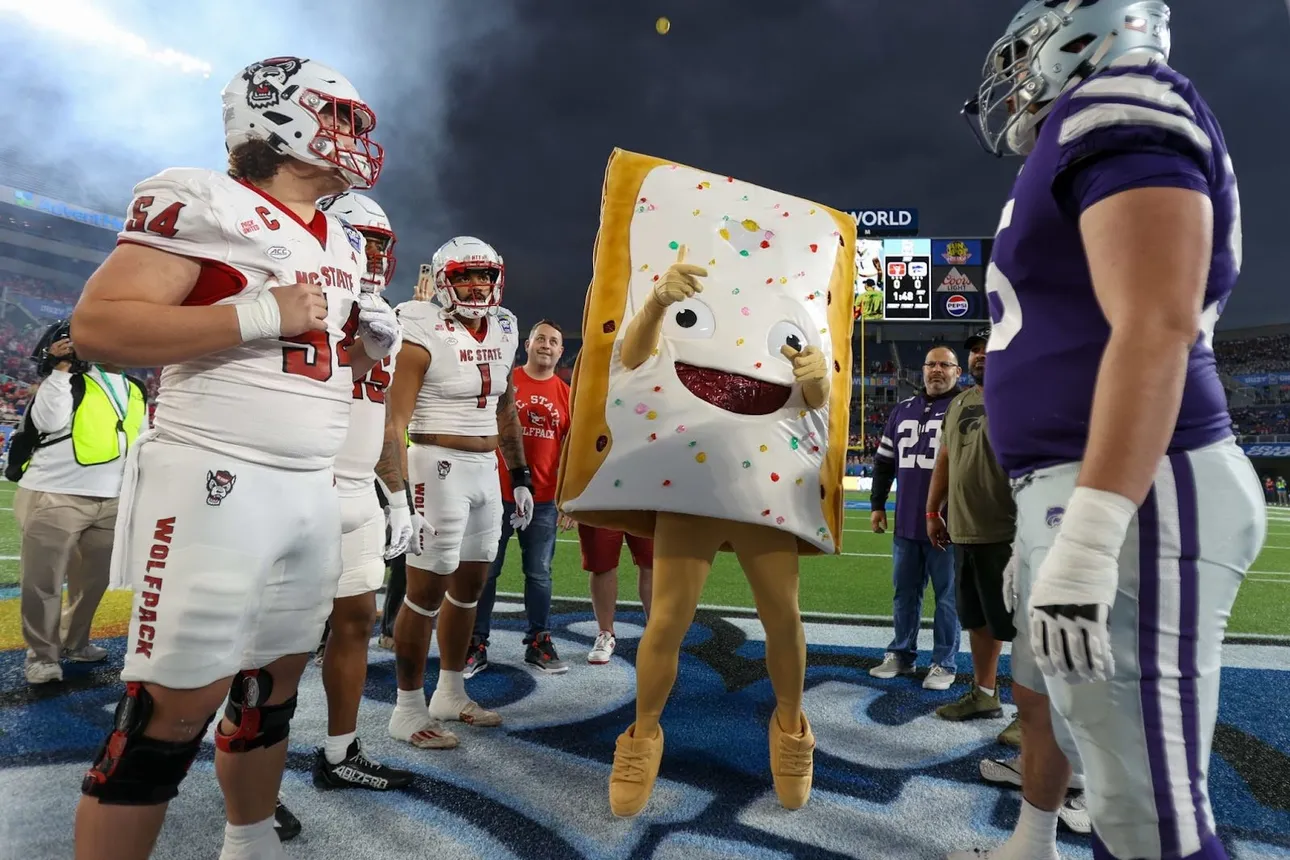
1117	250
907	453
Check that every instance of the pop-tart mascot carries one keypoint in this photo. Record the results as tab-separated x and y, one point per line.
709	412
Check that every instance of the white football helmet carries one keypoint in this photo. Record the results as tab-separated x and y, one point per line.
306	110
462	254
367	217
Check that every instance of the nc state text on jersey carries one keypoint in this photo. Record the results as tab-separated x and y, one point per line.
475	356
327	276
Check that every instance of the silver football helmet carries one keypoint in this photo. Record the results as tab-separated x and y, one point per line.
306	110
1052	45
460	256
367	217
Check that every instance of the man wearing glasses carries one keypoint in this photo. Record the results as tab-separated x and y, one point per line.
907	453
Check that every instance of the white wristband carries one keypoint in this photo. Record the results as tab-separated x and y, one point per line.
260	319
1097	519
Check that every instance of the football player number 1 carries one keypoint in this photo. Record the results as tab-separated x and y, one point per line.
485	384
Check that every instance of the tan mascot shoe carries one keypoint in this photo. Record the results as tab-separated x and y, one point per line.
636	762
792	763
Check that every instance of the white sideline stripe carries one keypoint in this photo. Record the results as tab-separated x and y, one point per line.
819	632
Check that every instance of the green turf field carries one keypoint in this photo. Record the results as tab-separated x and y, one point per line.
856	583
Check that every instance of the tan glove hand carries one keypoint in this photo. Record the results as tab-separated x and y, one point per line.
810	372
808	365
680	282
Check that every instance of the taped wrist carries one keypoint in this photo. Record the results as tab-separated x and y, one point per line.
260	319
1082	566
1097	519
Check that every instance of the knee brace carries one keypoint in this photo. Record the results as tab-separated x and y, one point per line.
258	725
427	613
135	770
458	603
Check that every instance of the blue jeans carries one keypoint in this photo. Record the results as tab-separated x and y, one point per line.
537	549
914	562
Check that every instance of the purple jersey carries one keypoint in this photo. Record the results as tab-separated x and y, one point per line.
911	439
1132	125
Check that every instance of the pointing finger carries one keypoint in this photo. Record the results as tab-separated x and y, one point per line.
788	352
680	254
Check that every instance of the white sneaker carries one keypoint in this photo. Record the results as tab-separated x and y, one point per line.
1002	771
1074	814
1007	771
603	649
87	654
418	729
891	666
938	678
40	672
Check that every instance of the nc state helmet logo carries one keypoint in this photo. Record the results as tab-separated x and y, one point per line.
218	486
266	79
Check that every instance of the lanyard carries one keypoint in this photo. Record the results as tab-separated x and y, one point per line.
111	392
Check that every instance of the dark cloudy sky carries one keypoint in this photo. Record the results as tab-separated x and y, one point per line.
499	115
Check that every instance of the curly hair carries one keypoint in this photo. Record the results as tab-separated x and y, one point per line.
254	161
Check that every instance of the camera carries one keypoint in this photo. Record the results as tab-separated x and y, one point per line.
45	361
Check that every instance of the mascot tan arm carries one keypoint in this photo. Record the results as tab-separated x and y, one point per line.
684	548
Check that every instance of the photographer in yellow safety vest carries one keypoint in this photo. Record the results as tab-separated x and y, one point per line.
69	459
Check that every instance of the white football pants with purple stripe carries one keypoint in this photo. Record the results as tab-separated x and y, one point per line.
1144	736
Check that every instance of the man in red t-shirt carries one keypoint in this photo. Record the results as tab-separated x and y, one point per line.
542	399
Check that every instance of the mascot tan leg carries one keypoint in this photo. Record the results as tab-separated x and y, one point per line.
684	547
770	561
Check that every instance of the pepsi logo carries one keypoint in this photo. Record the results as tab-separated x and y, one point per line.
956	306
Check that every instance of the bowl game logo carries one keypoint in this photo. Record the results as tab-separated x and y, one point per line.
956	305
957	253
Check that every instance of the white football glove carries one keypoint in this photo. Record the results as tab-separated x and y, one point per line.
523	509
405	528
1010	571
378	325
1075	588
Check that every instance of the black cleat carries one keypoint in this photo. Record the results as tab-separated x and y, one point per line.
286	825
357	771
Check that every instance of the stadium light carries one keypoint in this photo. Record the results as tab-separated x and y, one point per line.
81	21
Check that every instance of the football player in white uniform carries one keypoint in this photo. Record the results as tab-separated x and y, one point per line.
249	297
365	540
452	391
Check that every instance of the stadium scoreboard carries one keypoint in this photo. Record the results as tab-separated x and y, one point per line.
913	279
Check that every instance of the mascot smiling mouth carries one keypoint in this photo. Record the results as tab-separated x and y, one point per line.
733	392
